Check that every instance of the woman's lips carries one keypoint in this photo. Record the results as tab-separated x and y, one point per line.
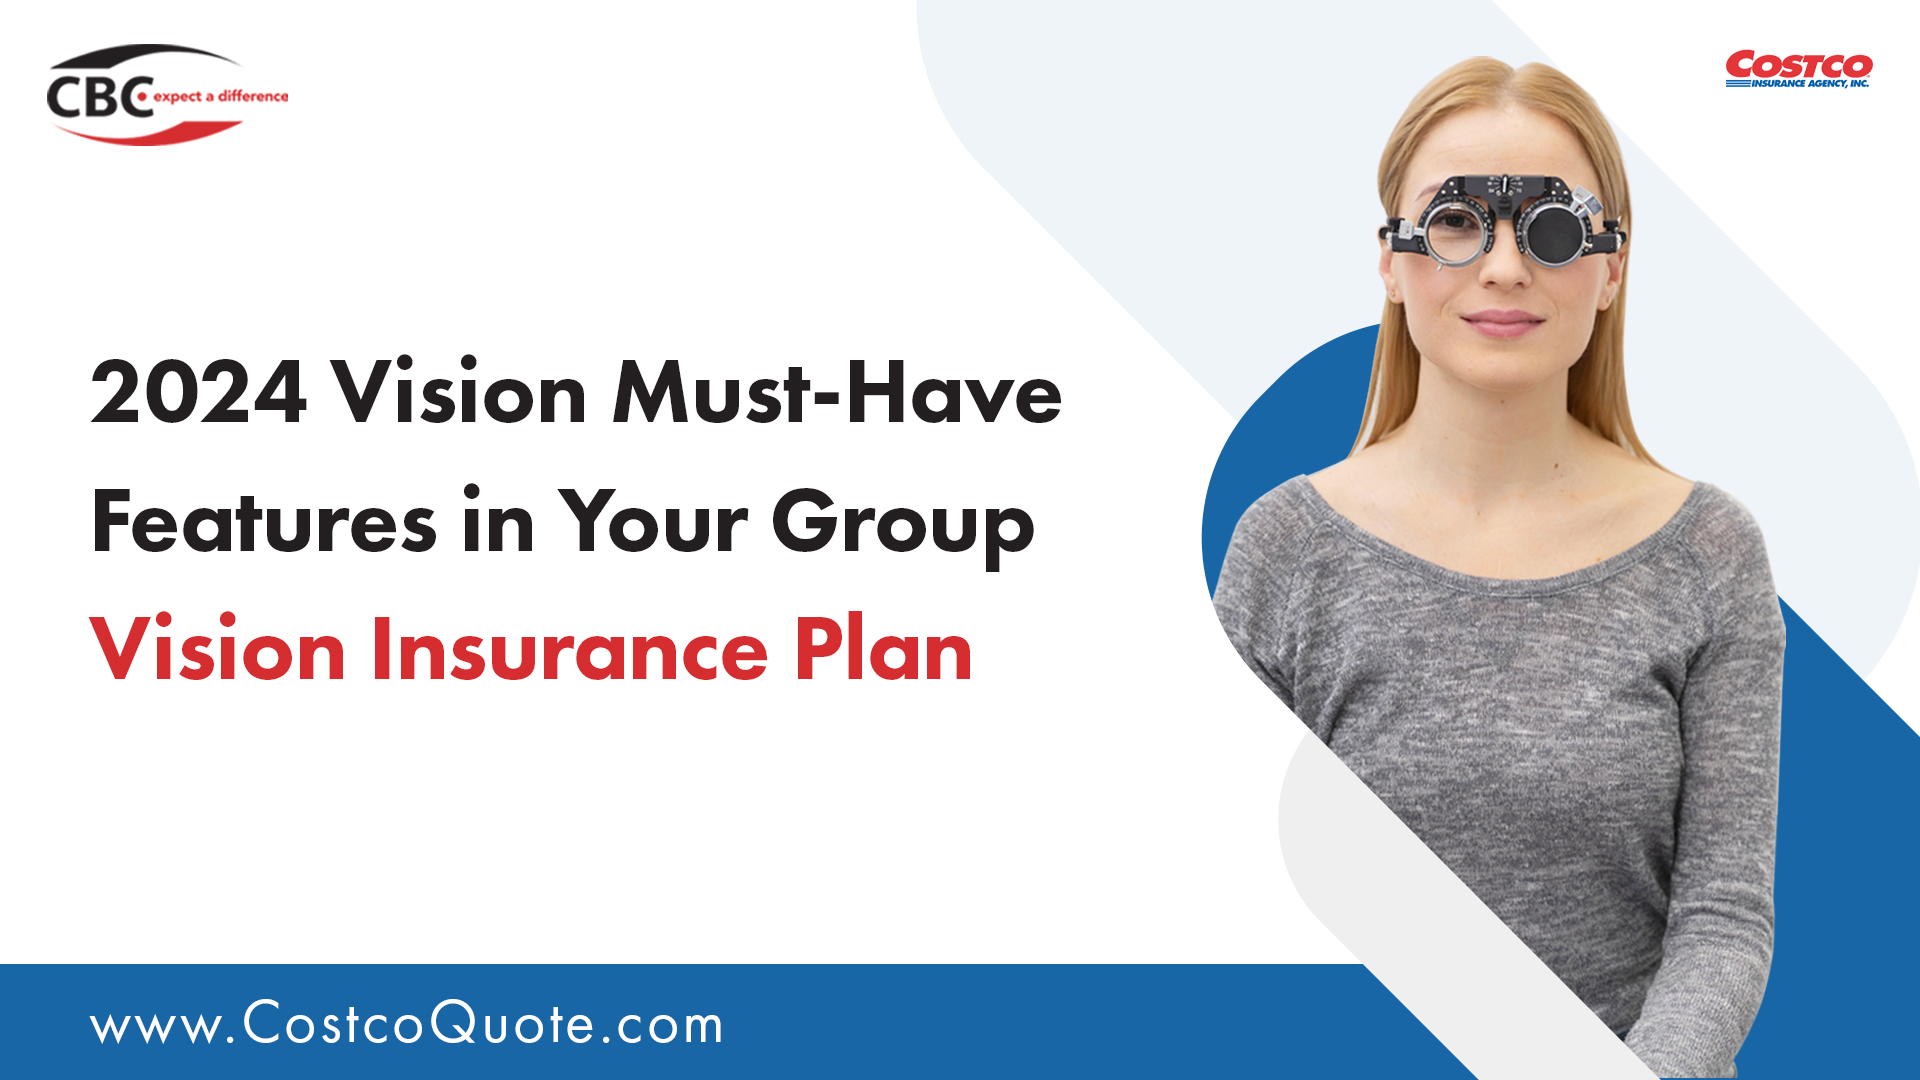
1503	323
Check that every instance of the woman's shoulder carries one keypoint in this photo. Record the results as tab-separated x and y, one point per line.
1720	536
1292	506
1721	525
1252	596
1272	534
1280	525
1728	551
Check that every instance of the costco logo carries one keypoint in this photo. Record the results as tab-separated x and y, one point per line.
151	95
1838	70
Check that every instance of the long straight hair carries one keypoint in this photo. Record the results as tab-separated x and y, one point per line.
1597	383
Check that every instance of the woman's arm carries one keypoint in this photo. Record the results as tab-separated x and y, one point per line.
1719	939
1252	596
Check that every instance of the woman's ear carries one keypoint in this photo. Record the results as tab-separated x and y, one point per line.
1616	272
1386	272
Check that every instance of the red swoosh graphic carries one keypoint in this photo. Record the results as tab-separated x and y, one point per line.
185	131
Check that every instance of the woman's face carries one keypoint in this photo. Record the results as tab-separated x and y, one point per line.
1504	323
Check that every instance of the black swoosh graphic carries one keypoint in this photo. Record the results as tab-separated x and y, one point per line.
106	58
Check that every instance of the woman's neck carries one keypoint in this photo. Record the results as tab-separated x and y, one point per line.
1484	446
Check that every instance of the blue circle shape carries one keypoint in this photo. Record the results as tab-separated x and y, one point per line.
1305	422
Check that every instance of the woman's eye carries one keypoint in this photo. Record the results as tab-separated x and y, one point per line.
1454	221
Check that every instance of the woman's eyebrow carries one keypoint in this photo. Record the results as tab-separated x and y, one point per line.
1428	190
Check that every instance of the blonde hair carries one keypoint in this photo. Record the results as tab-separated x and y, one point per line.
1597	383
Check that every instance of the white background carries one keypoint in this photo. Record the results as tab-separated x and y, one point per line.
743	190
742	194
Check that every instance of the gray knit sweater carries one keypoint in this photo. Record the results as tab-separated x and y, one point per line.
1595	754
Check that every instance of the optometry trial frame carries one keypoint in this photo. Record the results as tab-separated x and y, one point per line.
1552	224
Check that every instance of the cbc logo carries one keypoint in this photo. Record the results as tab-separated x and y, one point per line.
100	100
148	95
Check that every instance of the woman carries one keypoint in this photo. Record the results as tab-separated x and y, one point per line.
1557	662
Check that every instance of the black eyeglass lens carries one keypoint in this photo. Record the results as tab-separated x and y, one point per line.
1554	236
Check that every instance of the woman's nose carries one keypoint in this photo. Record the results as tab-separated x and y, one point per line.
1504	265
